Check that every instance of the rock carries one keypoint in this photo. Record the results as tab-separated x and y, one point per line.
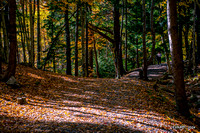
13	82
21	100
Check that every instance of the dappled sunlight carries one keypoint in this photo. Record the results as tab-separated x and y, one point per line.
64	78
34	76
140	120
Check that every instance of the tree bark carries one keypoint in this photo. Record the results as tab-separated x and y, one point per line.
117	39
198	32
5	37
126	35
150	61
76	40
96	60
177	59
194	41
13	41
68	45
86	43
144	42
38	36
83	39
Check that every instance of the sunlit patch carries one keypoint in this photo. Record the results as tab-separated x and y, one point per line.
78	96
64	78
35	76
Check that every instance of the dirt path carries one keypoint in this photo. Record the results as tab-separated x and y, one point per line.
154	72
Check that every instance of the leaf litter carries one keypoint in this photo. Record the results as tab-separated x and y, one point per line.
60	103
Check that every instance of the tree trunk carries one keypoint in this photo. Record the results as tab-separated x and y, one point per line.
96	60
38	36
68	46
194	41
144	42
177	59
1	51
13	41
153	35
117	39
31	62
137	54
5	37
76	40
91	60
22	39
83	39
198	34
86	43
126	35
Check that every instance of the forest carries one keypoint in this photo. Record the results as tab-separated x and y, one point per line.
100	65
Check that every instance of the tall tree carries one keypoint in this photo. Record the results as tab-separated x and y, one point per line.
177	59
68	46
144	42
126	35
76	39
38	35
83	38
13	41
117	39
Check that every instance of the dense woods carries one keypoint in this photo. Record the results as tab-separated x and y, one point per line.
102	38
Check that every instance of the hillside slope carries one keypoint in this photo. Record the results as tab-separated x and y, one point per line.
59	103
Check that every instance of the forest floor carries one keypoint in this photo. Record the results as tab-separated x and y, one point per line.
60	103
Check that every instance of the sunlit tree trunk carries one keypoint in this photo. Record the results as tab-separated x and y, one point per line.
144	42
22	39
177	59
76	40
68	46
13	41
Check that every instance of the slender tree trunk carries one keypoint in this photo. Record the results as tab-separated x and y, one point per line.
68	46
76	40
177	59
31	33
5	37
1	50
198	33
194	40
38	36
13	41
22	39
137	54
144	42
86	43
153	35
91	60
126	35
83	39
96	60
166	54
